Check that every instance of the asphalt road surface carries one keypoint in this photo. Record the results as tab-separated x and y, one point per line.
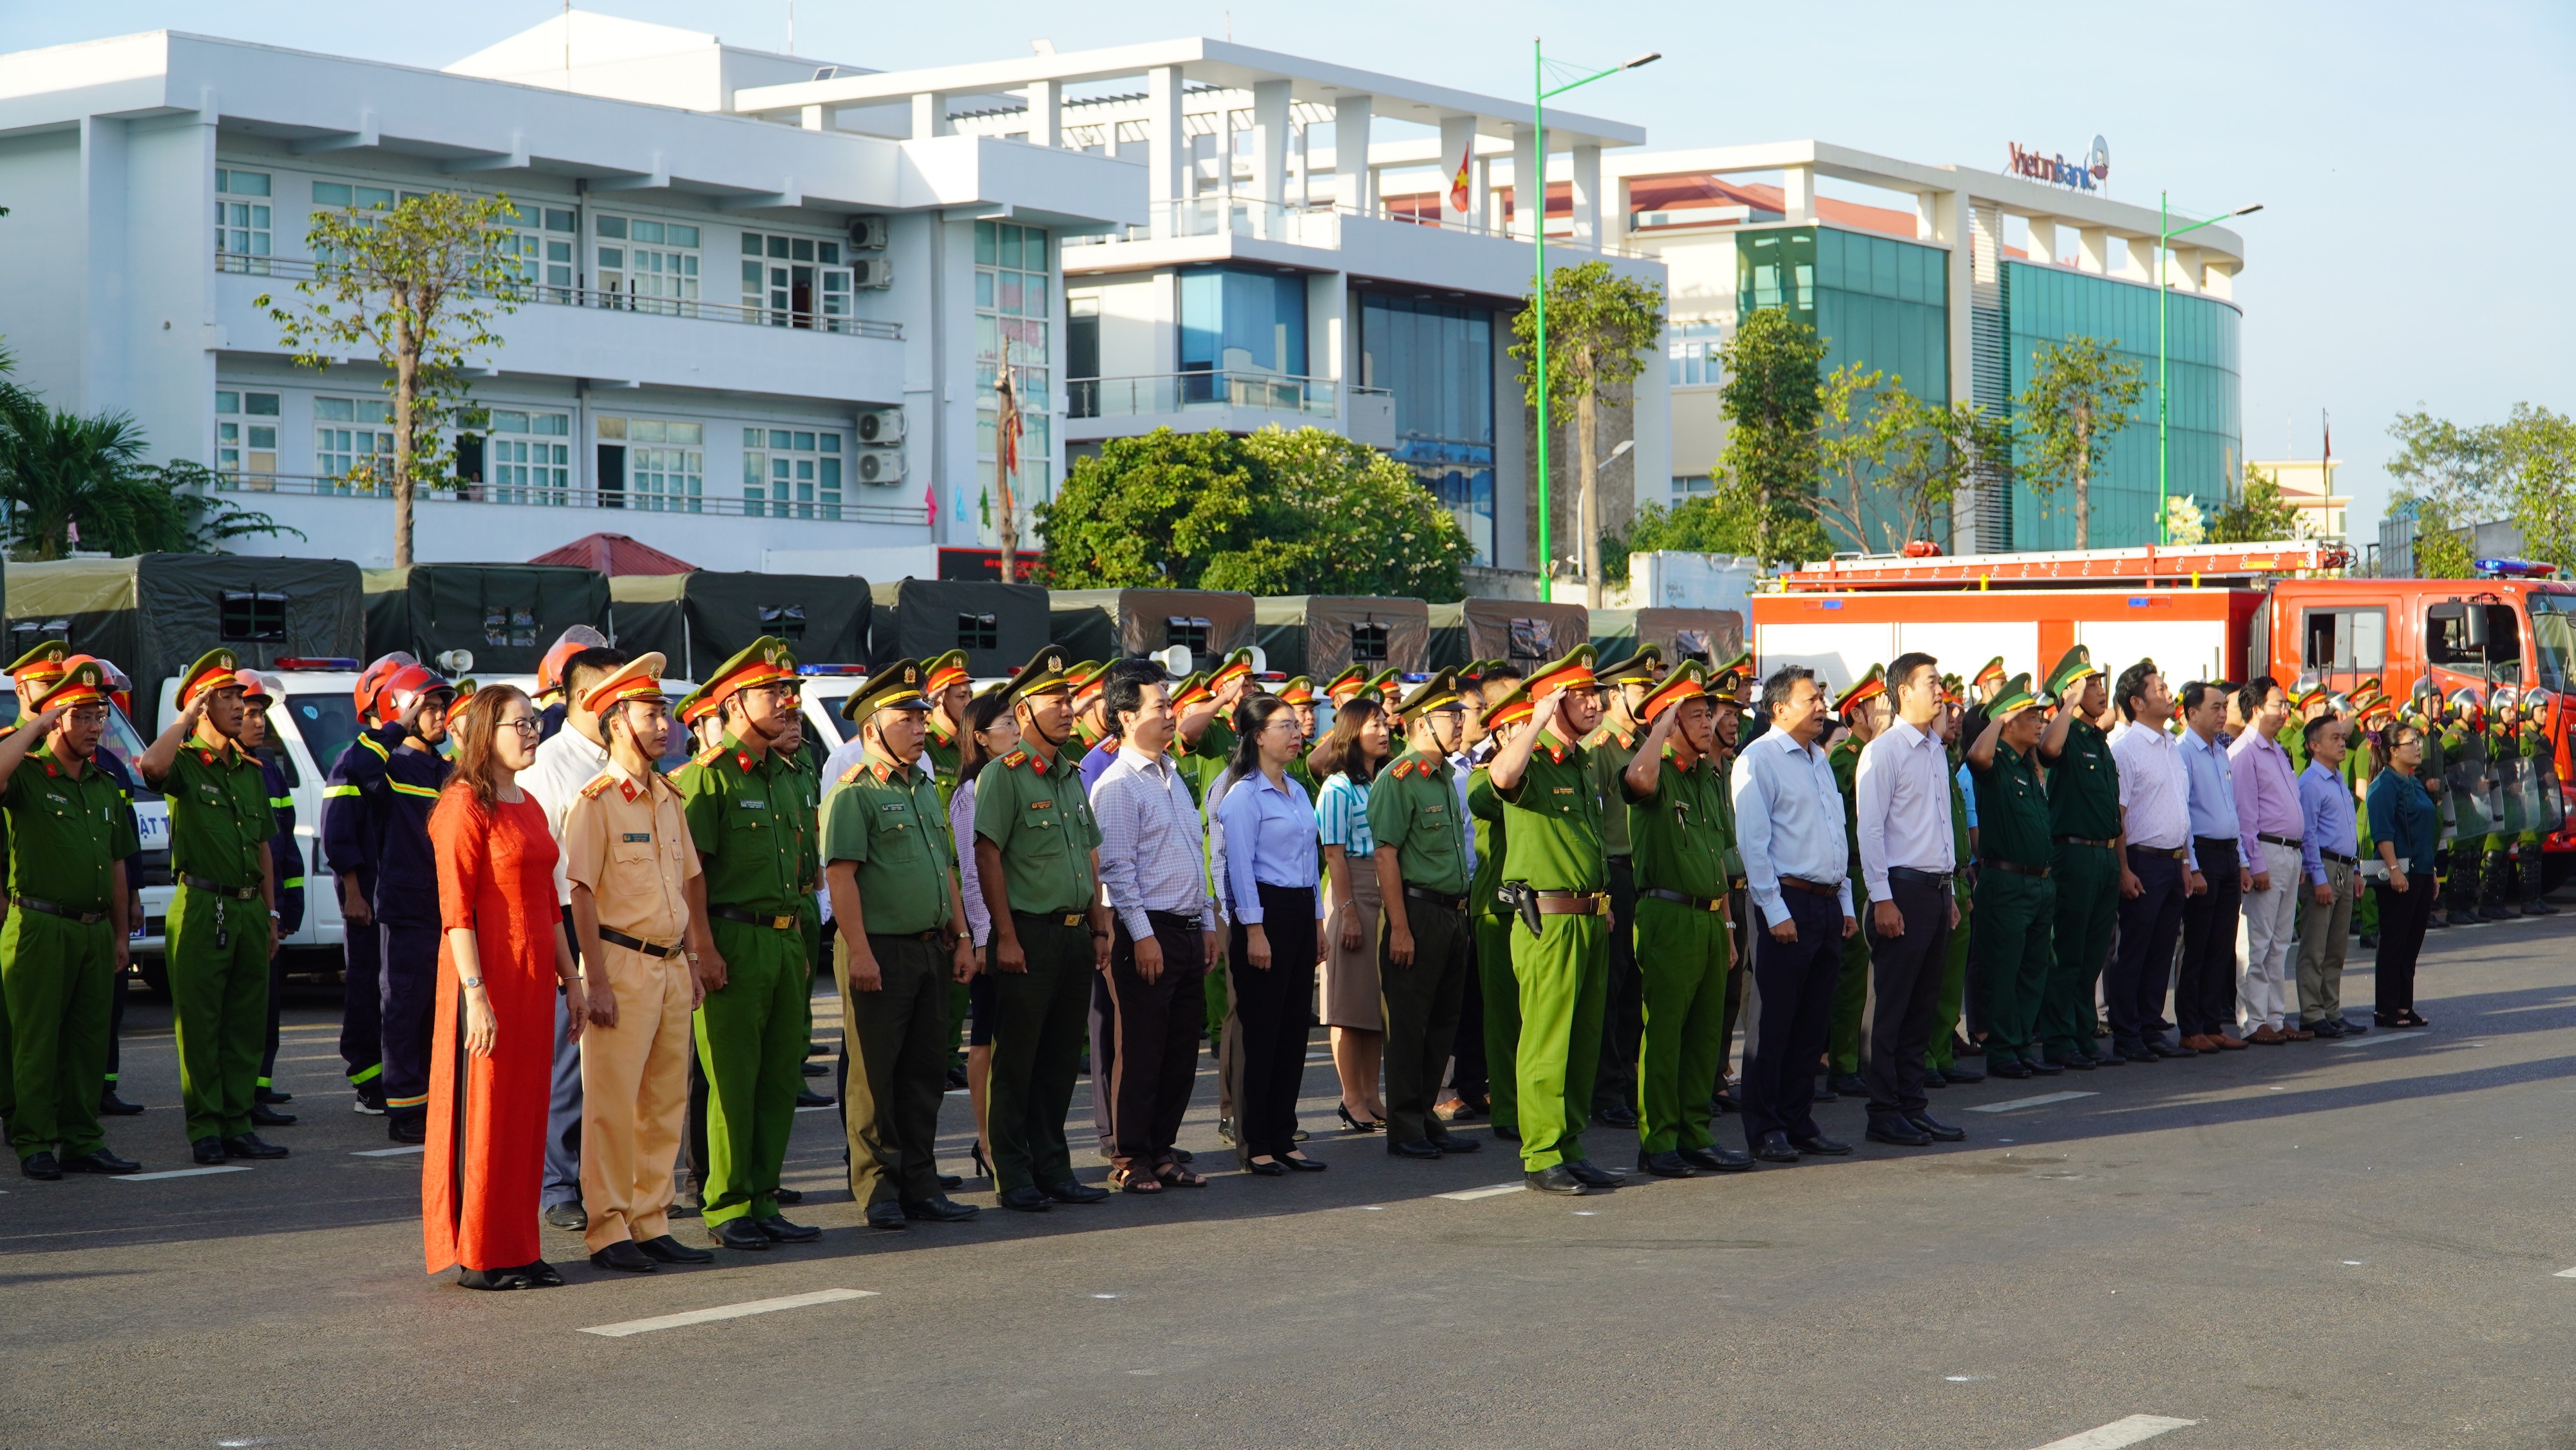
2344	1245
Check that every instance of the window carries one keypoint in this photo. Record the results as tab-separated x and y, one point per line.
2345	641
648	266
1189	633
1014	279
1241	321
665	462
353	444
245	435
1532	639
1368	644
352	197
979	631
2480	639
791	473
1691	352
251	618
786	621
1437	359
241	220
527	457
1688	486
540	241
795	282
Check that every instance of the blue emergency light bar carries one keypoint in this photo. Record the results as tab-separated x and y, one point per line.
836	670
2515	568
315	662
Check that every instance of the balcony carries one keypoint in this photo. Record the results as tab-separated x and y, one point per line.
363	485
295	269
1226	402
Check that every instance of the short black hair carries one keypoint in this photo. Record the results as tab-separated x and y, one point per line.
1782	684
1902	668
590	667
1125	690
2256	691
1502	670
2196	693
2309	732
2133	686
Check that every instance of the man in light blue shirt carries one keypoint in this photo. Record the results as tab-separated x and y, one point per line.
1789	830
2205	984
2330	862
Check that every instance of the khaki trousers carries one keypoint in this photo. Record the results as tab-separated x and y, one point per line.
2323	931
634	1095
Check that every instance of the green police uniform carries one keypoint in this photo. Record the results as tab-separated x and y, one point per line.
885	818
752	817
1413	809
1851	980
1680	835
37	666
1942	1053
2016	896
1614	1091
67	834
218	931
2084	821
1497	989
1033	810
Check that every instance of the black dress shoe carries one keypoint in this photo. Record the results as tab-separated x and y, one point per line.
1667	1164
1412	1148
1821	1145
624	1257
1507	1132
788	1195
1615	1115
2108	1057
1452	1143
956	1076
1898	1132
101	1161
1558	1180
112	1106
569	1215
886	1215
1934	1077
1850	1084
1934	1128
1824	1092
1774	1148
270	1095
1723	1101
207	1150
2080	1061
1591	1173
779	1230
263	1116
739	1233
807	1098
40	1165
2011	1067
818	1069
2041	1067
940	1210
950	1180
248	1145
1026	1199
1300	1163
1716	1159
668	1250
1071	1192
1272	1169
1960	1072
2162	1048
2327	1027
408	1128
2350	1029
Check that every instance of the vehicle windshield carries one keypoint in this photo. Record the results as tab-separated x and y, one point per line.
2553	638
121	741
328	722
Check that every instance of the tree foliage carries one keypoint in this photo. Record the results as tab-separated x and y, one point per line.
1892	462
2080	393
1600	328
2258	514
1766	477
1275	512
2536	456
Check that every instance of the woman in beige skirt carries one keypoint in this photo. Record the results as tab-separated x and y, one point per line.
1345	763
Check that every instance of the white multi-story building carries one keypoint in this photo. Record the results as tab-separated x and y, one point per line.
765	298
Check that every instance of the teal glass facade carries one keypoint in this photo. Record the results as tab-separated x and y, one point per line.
2043	305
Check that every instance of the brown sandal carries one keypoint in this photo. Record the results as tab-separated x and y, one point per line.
1176	1176
1134	1178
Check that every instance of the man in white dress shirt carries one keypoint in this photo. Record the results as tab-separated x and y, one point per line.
1901	794
2158	869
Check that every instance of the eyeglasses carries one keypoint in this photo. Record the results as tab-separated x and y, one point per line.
93	715
524	724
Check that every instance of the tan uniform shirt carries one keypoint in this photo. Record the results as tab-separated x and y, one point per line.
628	841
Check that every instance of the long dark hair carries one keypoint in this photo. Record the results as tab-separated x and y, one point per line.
475	724
1251	718
1340	752
981	712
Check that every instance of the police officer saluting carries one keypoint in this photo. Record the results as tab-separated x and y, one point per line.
2016	900
2084	814
889	864
1427	947
222	922
64	949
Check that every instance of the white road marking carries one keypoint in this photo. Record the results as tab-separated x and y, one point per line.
1470	1195
824	1108
182	1173
726	1311
2016	1104
2564	1274
2371	1040
407	1148
2120	1432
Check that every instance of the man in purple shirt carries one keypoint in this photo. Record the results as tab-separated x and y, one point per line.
2269	832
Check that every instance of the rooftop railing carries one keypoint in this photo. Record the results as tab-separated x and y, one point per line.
1308	224
293	268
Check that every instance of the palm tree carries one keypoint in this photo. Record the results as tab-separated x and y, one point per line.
72	481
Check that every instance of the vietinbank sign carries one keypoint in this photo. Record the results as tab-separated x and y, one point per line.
2091	173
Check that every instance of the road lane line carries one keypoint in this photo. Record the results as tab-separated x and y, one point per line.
391	1152
181	1173
2112	1436
1470	1195
628	1327
2564	1274
2043	1100
2371	1041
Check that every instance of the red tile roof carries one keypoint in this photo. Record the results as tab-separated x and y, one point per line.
615	554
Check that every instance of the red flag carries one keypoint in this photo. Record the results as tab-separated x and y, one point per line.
1459	192
930	502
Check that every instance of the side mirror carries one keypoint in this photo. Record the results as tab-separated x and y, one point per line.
2475	623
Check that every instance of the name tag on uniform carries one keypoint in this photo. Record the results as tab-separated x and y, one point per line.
638	837
753	805
891	807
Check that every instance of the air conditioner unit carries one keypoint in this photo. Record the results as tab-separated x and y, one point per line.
879	465
871	272
868	233
881	425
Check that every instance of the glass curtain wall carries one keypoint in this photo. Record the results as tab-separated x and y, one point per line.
1437	360
1014	288
1239	321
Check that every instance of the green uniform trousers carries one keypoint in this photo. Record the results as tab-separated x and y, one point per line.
2015	917
1564	981
1954	989
1682	957
1500	993
898	1036
57	976
1041	1019
1419	1005
1851	998
218	954
751	1046
2088	907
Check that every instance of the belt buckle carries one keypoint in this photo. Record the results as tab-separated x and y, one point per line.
782	923
1714	903
1073	918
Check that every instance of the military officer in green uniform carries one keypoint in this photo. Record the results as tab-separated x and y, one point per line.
950	689
222	922
1941	1058
1623	690
751	814
2084	822
63	951
1559	878
1426	946
1681	828
1863	710
1728	686
891	869
1506	714
1037	859
2016	896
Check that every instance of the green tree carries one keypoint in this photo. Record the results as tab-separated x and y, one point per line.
1892	462
2451	475
2079	395
2536	453
1600	327
2258	514
1766	476
1148	512
418	284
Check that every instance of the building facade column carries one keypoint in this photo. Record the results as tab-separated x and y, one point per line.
1354	183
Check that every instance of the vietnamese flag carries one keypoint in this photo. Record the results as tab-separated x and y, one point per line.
1459	193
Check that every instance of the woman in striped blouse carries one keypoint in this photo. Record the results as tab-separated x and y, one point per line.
1345	764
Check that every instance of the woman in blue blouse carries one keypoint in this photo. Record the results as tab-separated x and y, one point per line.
1346	763
1270	855
2403	827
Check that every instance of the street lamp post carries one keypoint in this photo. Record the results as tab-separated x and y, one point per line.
2166	231
1538	231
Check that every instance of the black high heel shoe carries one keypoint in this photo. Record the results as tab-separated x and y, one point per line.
1357	1125
975	1155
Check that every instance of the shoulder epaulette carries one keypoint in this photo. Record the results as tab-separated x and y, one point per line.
852	773
591	791
708	756
1015	759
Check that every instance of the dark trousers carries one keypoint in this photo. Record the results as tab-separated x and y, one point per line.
1904	987
362	1019
2205	983
409	1007
899	1036
276	1005
1273	1007
1037	1051
115	1031
1788	1010
2142	965
1467	1070
2402	916
563	1105
1102	1024
1154	1030
1422	1014
1623	1015
1739	974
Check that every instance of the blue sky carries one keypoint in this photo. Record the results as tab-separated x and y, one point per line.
2409	253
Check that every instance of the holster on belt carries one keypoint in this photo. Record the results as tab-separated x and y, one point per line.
1523	900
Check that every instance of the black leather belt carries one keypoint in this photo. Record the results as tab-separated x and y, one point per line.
1937	880
2292	842
2338	857
2036	873
1812	888
1053	918
236	893
936	934
1437	898
2084	841
1695	903
635	944
2170	853
753	918
47	908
